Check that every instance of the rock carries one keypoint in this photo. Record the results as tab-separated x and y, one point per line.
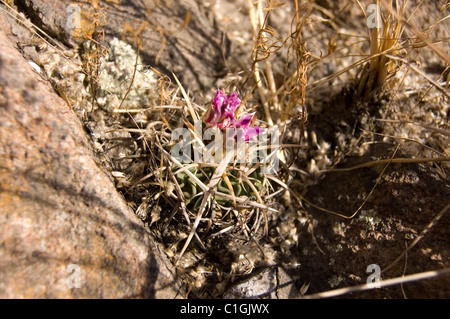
270	283
177	36
65	232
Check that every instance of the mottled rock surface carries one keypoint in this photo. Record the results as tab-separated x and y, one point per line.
63	225
271	283
177	36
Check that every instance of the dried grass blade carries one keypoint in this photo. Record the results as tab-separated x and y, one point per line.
186	98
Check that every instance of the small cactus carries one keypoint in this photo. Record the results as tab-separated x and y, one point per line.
231	181
191	189
222	115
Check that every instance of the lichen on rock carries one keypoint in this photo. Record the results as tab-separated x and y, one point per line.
116	74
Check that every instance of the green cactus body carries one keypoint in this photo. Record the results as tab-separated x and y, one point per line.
191	189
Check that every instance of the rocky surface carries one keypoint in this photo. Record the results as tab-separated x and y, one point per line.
65	232
270	283
177	36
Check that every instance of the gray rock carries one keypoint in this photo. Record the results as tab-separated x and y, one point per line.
177	36
271	283
65	232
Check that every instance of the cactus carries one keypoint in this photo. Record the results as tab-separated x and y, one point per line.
191	189
222	115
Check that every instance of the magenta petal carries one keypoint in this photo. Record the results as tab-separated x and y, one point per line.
228	114
221	112
215	112
244	121
231	105
233	101
247	133
219	100
252	132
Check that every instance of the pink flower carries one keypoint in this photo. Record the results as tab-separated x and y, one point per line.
243	123
222	111
222	114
